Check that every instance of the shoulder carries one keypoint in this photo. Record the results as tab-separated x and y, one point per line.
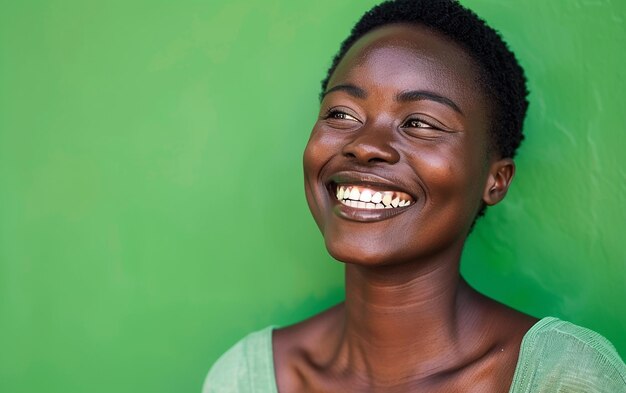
560	356
302	347
246	367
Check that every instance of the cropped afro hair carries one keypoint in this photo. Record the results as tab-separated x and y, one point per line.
502	77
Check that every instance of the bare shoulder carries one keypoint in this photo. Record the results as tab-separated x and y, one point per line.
298	346
501	329
304	330
510	325
498	325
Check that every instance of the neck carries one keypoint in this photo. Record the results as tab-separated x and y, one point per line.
402	320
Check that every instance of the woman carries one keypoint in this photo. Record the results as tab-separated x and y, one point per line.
420	118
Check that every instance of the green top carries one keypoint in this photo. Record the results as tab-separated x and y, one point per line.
555	356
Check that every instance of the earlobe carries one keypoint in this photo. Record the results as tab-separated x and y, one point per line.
500	176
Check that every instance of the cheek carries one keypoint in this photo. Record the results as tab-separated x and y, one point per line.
321	147
317	153
453	178
320	144
311	153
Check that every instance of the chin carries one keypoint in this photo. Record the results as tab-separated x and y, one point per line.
359	251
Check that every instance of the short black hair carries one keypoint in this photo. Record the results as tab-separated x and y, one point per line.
502	76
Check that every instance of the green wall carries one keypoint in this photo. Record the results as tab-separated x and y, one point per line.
151	201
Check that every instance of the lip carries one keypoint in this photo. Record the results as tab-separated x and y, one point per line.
365	180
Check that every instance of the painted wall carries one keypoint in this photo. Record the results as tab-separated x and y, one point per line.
151	201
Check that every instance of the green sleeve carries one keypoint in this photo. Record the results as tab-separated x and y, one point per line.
246	367
558	356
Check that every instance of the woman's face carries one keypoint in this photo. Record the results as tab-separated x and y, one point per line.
397	165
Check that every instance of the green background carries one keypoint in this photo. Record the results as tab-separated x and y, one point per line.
151	201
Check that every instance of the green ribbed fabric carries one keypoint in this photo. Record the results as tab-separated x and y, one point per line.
246	367
555	356
558	356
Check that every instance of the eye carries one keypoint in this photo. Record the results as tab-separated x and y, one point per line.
417	123
424	127
341	118
339	115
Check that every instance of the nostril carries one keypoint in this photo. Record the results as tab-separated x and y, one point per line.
371	154
371	148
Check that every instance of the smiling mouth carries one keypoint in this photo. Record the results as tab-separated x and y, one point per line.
366	197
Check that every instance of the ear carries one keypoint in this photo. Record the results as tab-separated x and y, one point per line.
501	174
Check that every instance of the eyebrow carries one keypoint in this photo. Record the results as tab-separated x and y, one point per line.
405	96
417	95
353	90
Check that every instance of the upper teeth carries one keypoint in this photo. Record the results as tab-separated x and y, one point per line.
365	198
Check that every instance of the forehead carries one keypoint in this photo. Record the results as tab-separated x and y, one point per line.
410	57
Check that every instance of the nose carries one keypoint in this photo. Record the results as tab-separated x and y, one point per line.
372	145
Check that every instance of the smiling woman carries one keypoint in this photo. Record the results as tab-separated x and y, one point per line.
420	118
393	134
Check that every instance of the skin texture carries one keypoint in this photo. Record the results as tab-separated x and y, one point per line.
409	321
